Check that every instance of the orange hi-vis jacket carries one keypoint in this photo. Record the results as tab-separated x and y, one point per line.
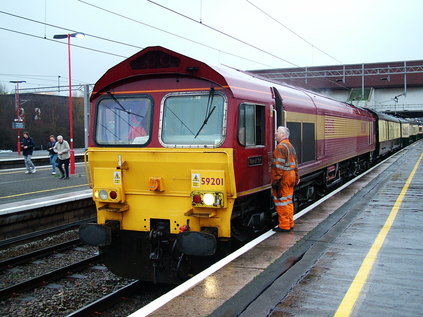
284	162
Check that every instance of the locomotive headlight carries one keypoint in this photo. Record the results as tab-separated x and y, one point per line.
208	199
103	194
108	195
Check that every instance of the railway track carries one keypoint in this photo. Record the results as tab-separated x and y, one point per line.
31	256
80	289
43	279
38	235
40	250
81	274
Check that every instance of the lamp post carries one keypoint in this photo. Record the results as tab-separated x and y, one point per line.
72	152
18	111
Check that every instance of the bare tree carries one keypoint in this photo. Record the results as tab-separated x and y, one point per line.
3	90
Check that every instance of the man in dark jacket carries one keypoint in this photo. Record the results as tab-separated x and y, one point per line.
27	146
52	154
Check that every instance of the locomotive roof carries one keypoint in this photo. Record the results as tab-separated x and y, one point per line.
156	61
385	116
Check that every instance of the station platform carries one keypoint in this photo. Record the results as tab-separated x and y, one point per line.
372	268
358	253
10	155
9	159
18	188
22	192
41	200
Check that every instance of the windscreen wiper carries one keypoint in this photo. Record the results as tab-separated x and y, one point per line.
110	131
208	111
183	123
122	108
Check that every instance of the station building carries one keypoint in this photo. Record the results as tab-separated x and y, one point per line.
391	87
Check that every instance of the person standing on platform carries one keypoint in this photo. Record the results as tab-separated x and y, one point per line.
53	155
63	150
284	178
27	145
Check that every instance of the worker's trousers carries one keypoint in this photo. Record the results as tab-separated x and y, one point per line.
283	200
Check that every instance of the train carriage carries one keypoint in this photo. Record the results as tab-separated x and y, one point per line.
388	133
405	132
180	153
414	131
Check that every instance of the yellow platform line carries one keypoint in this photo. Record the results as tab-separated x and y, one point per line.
347	305
43	191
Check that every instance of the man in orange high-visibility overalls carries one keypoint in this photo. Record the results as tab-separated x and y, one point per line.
284	178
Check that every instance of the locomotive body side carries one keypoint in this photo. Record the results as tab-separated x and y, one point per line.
329	132
333	140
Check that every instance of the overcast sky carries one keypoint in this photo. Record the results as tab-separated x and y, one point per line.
257	34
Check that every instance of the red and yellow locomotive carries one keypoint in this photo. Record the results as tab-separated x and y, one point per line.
180	153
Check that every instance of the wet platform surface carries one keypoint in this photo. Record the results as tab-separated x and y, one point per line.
19	188
309	271
375	267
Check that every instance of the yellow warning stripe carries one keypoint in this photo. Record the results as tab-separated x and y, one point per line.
347	305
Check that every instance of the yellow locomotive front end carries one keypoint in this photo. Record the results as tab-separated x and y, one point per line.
133	186
163	183
159	204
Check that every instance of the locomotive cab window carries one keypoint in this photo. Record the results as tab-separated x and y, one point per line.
193	120
123	120
251	129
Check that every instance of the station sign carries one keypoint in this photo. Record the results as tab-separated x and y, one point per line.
18	125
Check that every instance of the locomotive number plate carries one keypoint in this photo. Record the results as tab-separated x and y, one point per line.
208	180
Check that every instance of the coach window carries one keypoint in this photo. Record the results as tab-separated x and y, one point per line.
251	129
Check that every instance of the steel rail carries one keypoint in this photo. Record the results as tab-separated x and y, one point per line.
30	256
101	304
45	278
42	233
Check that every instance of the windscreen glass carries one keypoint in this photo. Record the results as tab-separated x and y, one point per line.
193	120
123	121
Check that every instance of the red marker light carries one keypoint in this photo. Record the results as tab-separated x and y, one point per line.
113	194
196	199
183	228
